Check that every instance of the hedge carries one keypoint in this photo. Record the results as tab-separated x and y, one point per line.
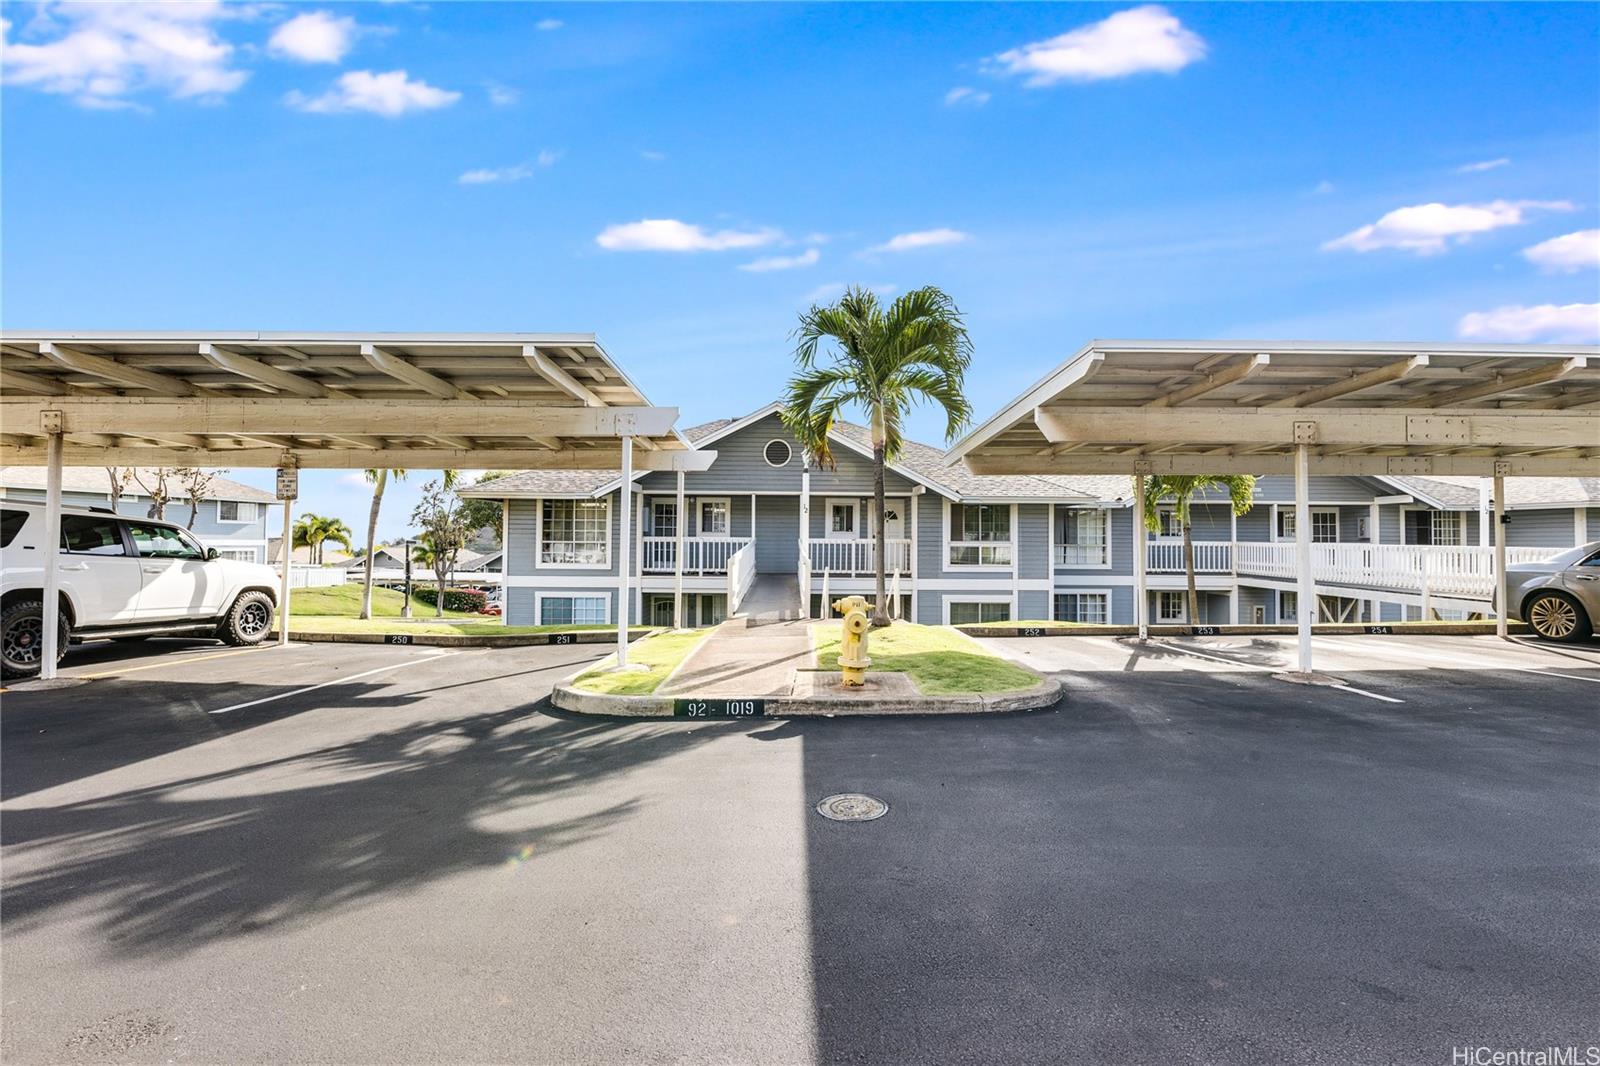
454	599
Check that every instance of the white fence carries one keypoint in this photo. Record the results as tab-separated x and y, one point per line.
312	577
741	575
1210	557
1426	569
701	555
858	556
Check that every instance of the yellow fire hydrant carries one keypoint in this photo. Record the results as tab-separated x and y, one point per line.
853	661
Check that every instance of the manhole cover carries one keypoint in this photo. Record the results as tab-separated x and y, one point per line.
852	807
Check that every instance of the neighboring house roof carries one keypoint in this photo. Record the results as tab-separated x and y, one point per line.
95	479
331	554
1524	493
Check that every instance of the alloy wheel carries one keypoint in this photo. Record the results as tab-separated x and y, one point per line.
24	641
1553	617
254	619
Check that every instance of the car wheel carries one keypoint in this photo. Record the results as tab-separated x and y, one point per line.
249	619
22	639
1557	617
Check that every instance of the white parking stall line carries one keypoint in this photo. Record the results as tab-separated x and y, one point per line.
325	684
1275	670
1443	659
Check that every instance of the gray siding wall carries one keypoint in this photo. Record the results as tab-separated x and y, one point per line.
1033	606
1594	523
1542	529
740	467
1032	535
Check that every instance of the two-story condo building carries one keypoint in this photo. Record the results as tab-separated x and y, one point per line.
231	518
963	547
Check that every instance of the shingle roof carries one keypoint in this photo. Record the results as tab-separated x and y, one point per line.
95	479
543	482
928	463
1529	492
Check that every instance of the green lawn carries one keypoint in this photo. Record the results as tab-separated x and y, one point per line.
344	601
941	661
661	653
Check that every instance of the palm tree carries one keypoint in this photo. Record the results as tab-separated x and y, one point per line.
378	479
883	361
1180	489
312	530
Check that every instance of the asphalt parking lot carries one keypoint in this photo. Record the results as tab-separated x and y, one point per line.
341	853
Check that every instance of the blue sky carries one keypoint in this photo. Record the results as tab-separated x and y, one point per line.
681	180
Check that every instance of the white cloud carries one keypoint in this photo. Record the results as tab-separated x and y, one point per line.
1487	164
315	37
806	258
109	51
1323	188
546	25
502	95
928	238
1134	41
1428	229
1567	323
355	479
1568	253
653	157
965	94
670	235
490	175
390	94
835	289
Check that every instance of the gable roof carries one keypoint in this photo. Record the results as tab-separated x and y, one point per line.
1522	493
95	479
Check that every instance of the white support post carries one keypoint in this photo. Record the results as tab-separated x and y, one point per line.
1306	585
51	619
288	559
505	561
1141	605
677	558
624	543
1502	609
805	540
1483	512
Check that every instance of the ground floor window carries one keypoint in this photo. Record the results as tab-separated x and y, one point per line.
244	555
966	614
699	609
1288	607
822	610
1171	607
573	610
1081	607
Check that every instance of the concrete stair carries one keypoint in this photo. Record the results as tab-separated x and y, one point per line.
772	598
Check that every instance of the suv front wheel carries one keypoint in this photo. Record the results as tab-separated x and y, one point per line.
22	639
249	620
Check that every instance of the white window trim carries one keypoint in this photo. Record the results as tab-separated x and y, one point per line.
661	501
1009	601
1289	508
1461	518
1110	601
777	440
1105	513
538	538
854	503
969	568
1183	605
238	521
699	513
572	594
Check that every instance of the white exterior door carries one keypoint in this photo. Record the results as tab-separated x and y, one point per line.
177	581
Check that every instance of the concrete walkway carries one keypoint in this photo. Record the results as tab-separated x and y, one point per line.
740	660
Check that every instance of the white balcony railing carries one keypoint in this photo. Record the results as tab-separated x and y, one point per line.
701	555
858	556
1210	557
1431	570
741	575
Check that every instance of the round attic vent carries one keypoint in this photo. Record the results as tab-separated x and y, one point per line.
777	453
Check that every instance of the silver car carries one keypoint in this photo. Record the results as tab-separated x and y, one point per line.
1560	597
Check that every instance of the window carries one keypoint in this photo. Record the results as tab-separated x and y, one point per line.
1081	538
164	542
1170	607
11	523
1433	527
966	614
90	536
713	518
573	610
1288	607
243	555
842	518
575	533
1081	607
1324	525
235	511
980	534
1361	527
1170	526
777	453
664	518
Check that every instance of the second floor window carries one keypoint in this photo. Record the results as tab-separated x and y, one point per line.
575	533
235	511
1324	525
713	518
980	534
1080	538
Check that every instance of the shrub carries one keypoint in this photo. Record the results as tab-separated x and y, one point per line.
454	599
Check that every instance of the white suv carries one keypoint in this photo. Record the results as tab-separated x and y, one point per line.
121	578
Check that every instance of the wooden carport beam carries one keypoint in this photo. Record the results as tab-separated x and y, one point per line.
101	367
363	459
1539	375
256	370
416	377
38	384
1354	383
1211	382
559	377
1577	465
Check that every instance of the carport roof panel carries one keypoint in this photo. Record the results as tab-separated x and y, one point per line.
333	374
1127	400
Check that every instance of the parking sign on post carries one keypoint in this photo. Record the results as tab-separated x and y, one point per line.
288	483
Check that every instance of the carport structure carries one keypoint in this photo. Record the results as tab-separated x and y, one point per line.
1273	407
324	400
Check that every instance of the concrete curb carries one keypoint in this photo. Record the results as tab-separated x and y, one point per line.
1440	629
1044	694
465	640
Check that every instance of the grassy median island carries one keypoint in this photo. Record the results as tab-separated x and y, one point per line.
334	610
941	661
662	653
